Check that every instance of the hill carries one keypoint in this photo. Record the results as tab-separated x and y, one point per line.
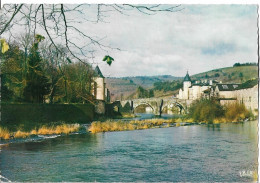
237	74
126	87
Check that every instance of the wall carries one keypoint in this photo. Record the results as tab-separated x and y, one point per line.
249	97
100	88
19	113
100	107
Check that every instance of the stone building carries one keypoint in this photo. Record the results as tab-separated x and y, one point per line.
226	93
232	93
100	92
194	91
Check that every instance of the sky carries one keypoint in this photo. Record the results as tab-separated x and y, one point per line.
196	39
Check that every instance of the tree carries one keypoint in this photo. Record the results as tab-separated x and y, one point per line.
37	85
241	76
54	21
12	82
205	110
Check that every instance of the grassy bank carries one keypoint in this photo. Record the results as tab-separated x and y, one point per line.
202	111
5	133
106	126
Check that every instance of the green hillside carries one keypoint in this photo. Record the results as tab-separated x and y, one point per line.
229	74
126	87
121	88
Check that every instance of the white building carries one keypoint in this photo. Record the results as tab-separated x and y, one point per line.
232	93
193	91
100	92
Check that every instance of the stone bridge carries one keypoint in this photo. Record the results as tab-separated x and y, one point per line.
157	104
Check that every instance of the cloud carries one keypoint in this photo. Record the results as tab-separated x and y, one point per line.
198	38
219	48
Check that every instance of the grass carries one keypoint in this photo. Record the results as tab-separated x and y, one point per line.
44	130
4	133
107	126
128	115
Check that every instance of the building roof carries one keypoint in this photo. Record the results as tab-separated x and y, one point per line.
98	73
228	87
187	77
248	84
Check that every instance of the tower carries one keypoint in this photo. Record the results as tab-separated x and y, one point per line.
99	84
186	85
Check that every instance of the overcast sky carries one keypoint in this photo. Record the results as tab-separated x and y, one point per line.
198	38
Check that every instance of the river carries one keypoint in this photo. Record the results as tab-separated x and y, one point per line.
186	153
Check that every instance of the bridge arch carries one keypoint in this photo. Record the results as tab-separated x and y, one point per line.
143	103
176	104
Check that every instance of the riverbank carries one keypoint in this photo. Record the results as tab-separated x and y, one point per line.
6	134
108	126
126	123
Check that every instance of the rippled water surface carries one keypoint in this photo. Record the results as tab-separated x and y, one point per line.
186	153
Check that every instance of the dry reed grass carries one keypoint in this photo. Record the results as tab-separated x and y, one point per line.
106	126
4	133
44	130
21	134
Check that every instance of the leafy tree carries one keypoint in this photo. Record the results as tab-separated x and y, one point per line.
167	85
151	93
37	85
11	74
205	110
241	76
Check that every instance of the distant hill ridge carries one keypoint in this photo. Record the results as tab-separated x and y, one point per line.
122	87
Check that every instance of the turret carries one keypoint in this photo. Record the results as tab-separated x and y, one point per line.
186	81
99	85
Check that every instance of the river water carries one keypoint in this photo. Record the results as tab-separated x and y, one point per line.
186	153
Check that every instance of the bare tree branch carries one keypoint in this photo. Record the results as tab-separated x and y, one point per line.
7	24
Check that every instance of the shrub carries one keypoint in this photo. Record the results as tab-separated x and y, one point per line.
205	110
236	112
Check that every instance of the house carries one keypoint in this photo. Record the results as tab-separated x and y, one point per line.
194	91
243	94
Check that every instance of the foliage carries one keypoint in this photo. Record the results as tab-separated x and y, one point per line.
168	85
210	110
4	45
12	74
230	74
108	59
41	75
143	93
245	64
37	85
236	112
205	110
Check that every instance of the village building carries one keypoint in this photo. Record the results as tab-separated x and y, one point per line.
225	93
232	93
194	91
100	92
